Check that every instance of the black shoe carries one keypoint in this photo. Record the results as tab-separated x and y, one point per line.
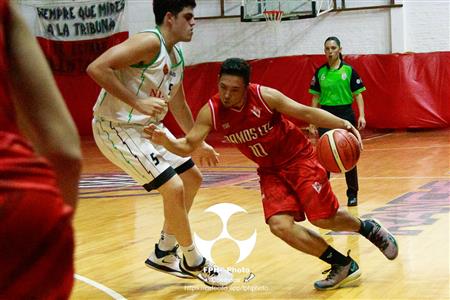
352	201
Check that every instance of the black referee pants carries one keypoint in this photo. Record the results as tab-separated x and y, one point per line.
345	112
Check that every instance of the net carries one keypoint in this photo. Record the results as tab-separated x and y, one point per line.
273	10
273	16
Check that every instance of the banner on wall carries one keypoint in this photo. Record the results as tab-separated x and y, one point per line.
73	33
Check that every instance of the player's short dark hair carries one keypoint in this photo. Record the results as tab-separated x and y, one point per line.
162	7
236	66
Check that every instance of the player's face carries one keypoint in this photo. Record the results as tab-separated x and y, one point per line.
232	90
183	24
332	51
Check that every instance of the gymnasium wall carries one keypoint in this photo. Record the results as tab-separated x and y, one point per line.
404	90
419	26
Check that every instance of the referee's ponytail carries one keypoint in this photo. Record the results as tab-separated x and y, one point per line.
338	42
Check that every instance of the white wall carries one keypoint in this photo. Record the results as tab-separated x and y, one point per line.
419	26
427	25
360	32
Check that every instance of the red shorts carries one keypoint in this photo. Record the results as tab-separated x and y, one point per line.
36	245
299	188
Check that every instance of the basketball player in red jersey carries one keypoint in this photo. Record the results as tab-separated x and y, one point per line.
293	184
38	181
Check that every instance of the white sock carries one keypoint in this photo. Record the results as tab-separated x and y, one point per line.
167	241
192	255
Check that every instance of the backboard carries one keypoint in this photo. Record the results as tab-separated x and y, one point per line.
253	10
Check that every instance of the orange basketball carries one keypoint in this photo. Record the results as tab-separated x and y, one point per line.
338	150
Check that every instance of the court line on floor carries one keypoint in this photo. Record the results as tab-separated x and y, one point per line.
398	177
407	148
101	287
376	137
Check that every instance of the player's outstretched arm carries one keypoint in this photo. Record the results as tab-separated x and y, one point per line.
319	117
186	145
183	116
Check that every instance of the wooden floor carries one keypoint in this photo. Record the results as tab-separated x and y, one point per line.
404	183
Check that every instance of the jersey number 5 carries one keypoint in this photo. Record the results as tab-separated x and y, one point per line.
258	150
154	158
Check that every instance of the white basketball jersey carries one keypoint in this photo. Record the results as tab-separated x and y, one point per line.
161	78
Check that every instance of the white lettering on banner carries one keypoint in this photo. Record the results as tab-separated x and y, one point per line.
80	21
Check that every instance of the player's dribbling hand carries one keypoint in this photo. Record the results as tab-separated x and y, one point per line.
155	134
208	156
355	132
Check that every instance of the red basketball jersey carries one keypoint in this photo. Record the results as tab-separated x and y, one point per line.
263	135
19	166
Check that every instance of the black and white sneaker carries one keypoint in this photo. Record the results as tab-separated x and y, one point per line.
352	201
167	262
209	273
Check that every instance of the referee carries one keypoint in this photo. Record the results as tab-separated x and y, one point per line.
334	86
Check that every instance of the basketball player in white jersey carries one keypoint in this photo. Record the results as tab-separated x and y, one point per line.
141	80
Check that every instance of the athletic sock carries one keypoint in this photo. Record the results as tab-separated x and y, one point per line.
334	257
167	241
192	255
366	228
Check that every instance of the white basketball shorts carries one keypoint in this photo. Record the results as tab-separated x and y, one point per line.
151	165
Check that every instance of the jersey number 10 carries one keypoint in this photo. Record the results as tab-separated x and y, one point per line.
258	150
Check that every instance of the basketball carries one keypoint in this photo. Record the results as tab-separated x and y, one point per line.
338	150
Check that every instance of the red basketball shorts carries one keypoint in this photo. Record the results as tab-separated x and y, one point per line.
36	245
298	188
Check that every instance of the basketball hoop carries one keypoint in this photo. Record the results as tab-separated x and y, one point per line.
273	16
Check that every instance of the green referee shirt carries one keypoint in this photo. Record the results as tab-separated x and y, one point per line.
336	86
